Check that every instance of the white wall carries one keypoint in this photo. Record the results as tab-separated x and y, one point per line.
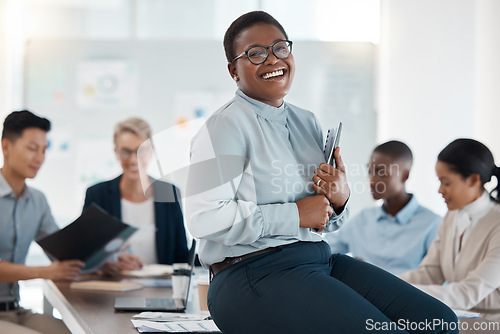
190	21
338	85
487	78
438	80
3	59
438	73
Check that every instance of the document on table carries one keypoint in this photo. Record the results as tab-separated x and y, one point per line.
150	282
169	316
461	314
203	326
150	270
94	285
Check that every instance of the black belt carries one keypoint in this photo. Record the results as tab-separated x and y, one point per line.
229	261
8	306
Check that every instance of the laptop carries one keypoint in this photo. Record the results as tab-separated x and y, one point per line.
138	304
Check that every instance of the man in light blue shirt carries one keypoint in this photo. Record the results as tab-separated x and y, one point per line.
25	216
396	235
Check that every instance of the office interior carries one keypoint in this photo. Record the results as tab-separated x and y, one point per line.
421	71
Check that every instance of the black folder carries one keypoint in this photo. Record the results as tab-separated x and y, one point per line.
92	238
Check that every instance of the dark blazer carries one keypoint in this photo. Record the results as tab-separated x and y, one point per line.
171	243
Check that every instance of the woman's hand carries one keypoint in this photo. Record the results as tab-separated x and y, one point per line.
127	261
110	269
314	212
332	182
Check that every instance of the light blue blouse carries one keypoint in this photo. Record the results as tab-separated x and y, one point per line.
250	163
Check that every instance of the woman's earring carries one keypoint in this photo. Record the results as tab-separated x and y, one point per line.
235	78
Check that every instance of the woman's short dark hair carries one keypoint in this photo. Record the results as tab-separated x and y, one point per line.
468	156
16	122
243	22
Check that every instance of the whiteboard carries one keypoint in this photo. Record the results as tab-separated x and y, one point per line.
173	80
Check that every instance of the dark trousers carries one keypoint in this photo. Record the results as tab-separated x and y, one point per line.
302	289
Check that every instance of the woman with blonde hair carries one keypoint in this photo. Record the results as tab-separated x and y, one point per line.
161	237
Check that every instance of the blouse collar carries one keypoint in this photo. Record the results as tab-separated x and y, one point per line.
266	111
480	207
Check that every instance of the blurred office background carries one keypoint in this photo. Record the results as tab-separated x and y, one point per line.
421	71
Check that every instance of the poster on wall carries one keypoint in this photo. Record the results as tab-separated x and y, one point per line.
107	84
60	142
95	162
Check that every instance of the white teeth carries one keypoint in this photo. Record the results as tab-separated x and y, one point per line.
272	74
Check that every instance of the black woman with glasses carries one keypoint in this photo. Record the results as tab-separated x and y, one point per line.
262	198
157	214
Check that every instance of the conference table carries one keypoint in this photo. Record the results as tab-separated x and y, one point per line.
89	312
92	312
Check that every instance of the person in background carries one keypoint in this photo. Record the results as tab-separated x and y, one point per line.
161	237
257	210
25	216
396	235
466	253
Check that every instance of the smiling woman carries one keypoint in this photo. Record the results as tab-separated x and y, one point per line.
272	271
161	237
265	76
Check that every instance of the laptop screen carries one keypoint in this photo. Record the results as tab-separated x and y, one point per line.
191	258
176	304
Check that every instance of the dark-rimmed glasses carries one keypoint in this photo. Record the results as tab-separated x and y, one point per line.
126	154
258	54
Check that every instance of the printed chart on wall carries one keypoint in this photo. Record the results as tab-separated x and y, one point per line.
107	84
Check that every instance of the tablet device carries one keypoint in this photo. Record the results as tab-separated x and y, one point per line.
332	142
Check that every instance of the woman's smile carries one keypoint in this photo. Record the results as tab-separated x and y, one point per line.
270	81
273	74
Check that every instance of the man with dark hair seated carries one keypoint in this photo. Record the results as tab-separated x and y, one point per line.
25	216
396	235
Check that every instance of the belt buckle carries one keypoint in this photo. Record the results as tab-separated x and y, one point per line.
236	260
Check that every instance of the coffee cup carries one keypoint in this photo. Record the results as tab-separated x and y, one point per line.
180	280
203	284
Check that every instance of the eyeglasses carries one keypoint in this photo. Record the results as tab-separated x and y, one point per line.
258	54
125	154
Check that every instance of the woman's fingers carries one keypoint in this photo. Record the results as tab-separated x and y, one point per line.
338	160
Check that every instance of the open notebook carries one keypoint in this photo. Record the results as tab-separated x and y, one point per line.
105	286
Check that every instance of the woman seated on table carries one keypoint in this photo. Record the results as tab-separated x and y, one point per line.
161	237
466	253
257	209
